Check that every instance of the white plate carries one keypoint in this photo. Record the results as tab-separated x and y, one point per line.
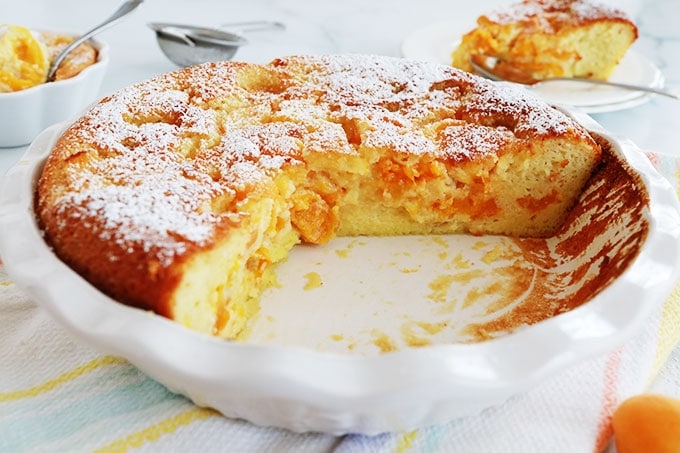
436	42
313	360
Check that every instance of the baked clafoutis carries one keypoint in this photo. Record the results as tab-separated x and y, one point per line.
538	39
180	194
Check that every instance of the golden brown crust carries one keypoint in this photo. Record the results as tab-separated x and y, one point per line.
232	163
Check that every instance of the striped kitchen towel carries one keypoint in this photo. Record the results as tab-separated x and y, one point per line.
58	395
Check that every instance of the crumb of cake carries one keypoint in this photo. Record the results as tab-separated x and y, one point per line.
342	253
432	328
459	262
313	281
409	270
440	287
383	341
492	255
414	336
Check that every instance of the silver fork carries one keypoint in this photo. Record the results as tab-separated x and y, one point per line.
485	71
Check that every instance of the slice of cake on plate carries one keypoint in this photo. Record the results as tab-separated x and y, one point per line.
539	39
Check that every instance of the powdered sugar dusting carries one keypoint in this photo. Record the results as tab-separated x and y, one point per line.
504	105
472	142
163	150
393	137
551	15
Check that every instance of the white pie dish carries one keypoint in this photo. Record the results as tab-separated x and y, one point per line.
306	388
24	114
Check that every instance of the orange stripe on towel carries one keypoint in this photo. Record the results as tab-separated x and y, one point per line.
610	400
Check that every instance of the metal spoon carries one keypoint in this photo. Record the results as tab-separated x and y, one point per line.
123	10
187	45
481	66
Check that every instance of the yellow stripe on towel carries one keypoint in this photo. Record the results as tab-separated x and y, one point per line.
61	379
405	442
669	332
153	432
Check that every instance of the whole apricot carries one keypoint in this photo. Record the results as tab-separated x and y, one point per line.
648	423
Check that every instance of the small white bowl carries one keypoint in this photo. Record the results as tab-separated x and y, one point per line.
24	114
